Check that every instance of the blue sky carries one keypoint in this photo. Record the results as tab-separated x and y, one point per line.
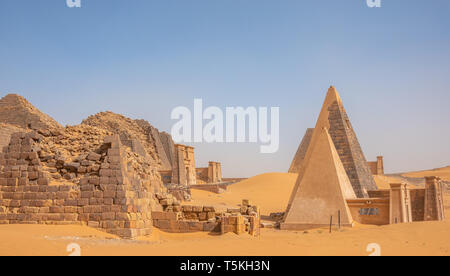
142	58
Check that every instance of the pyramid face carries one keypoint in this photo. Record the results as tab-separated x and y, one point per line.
301	152
16	110
323	189
334	117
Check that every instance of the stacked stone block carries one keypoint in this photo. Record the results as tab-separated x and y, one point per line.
434	199
188	219
114	199
350	152
25	195
185	219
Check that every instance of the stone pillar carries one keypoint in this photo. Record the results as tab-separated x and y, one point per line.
219	172
434	204
400	204
380	165
212	172
180	153
190	162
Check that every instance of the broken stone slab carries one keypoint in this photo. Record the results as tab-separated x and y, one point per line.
94	156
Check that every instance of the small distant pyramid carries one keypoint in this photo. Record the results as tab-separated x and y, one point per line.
301	152
322	191
334	118
16	110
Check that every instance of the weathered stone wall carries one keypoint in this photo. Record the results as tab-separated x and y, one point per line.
202	175
377	167
417	204
210	175
118	198
217	188
379	194
370	211
434	200
350	152
5	134
185	219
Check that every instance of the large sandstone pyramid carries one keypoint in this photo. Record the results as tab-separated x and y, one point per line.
334	118
323	189
16	110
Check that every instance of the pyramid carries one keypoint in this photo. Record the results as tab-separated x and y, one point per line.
16	110
323	189
334	117
301	152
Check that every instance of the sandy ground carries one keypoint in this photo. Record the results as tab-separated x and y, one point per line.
384	181
443	173
271	192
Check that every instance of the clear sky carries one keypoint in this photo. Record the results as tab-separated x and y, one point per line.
142	58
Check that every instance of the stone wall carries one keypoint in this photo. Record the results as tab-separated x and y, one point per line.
434	199
411	204
210	175
185	219
117	198
417	204
377	167
374	211
5	134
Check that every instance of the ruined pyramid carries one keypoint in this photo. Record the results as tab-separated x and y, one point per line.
322	191
16	110
334	118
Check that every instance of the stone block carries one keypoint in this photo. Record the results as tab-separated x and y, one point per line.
122	216
93	224
42	181
202	216
33	175
109	194
209	209
82	202
95	180
87	194
104	180
93	156
12	181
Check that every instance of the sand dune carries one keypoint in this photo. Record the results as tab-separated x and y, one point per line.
443	173
270	191
384	181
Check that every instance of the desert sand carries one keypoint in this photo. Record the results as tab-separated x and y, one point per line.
271	192
443	173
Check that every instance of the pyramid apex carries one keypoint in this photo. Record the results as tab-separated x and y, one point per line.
333	94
